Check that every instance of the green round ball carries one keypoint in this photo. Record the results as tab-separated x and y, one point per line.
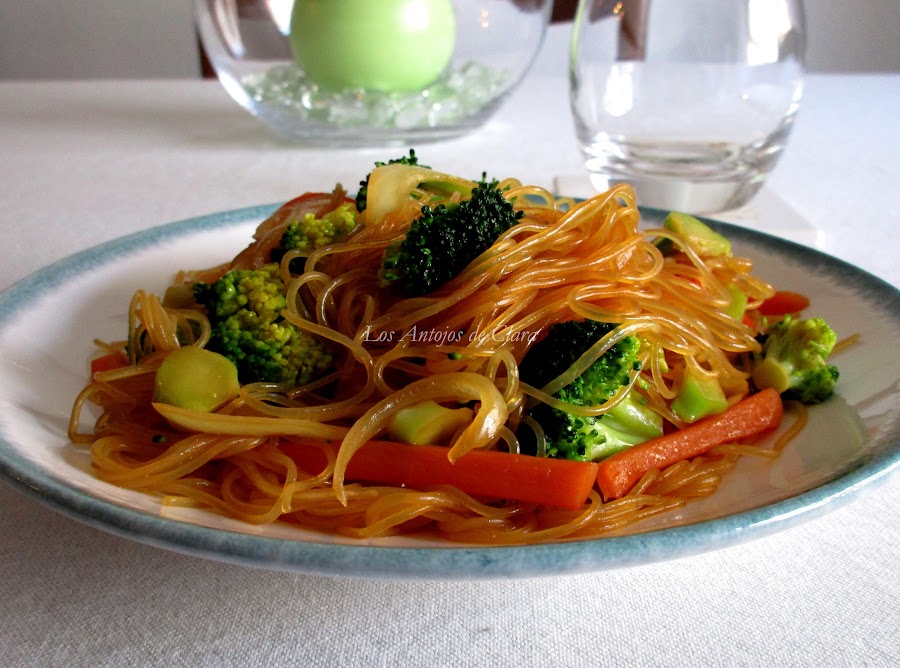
385	45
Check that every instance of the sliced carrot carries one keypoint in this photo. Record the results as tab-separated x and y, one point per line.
498	475
108	362
753	415
784	302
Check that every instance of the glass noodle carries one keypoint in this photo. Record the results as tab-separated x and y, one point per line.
459	345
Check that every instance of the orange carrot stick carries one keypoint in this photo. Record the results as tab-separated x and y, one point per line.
750	416
548	482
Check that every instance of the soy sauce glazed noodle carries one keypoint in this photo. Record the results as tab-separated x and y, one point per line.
564	260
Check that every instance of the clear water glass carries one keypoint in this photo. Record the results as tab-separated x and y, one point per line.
690	101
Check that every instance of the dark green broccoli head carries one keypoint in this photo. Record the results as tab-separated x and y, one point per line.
565	342
443	240
363	193
588	438
310	233
244	308
792	360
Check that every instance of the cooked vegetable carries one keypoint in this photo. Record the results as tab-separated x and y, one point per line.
442	241
428	423
698	396
587	438
488	473
108	362
792	360
310	233
362	195
784	302
751	416
227	424
738	305
699	236
245	311
196	379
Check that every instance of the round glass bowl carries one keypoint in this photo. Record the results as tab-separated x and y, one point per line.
359	72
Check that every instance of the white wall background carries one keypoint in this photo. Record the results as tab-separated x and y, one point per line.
77	39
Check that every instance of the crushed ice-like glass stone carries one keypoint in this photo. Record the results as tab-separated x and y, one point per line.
458	93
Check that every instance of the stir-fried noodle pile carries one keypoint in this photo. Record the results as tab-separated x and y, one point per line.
461	345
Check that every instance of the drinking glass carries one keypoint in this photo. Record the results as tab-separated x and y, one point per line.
690	101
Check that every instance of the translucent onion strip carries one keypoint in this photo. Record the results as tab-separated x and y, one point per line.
458	387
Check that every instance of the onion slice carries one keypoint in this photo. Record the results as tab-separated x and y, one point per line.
460	387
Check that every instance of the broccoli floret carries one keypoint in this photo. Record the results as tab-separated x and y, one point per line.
443	240
589	438
361	196
310	233
792	360
244	308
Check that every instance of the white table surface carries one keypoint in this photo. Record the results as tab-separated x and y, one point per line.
84	162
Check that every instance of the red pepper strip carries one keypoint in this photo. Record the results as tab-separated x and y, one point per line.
108	362
784	302
317	204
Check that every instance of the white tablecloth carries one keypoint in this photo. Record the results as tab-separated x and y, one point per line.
85	162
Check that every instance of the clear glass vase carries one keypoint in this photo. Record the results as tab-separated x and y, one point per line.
371	72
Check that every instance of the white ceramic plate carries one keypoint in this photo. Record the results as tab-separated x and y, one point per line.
47	323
